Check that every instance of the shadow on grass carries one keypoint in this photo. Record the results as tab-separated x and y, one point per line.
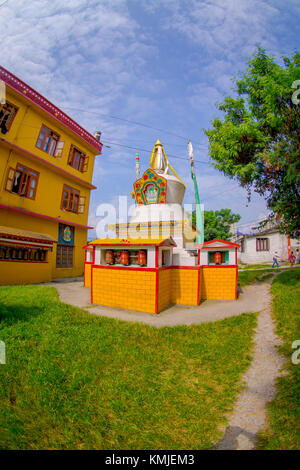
9	315
24	303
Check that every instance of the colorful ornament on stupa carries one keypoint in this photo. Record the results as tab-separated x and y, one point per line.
157	185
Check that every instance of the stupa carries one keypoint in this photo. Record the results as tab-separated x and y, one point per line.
153	261
159	194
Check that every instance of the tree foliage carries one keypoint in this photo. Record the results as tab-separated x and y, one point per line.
257	141
217	224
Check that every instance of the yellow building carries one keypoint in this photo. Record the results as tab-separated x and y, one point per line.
46	168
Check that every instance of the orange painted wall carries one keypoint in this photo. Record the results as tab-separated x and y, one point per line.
125	288
87	274
164	288
136	289
185	286
219	283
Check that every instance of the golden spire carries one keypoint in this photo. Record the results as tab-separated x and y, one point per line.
159	161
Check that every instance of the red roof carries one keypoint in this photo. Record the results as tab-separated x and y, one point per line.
225	244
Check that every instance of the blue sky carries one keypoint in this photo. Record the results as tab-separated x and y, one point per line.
162	63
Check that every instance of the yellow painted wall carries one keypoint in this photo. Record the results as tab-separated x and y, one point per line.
218	283
47	227
24	273
24	132
26	128
49	190
87	274
125	288
185	286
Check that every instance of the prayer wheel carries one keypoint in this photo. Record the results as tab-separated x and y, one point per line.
109	257
125	258
142	258
218	258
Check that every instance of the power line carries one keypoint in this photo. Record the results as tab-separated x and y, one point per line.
132	122
150	151
2	4
126	146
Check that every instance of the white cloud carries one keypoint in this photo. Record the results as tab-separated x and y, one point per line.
96	59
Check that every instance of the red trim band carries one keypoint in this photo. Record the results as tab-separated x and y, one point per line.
23	261
45	162
28	244
35	214
128	268
219	266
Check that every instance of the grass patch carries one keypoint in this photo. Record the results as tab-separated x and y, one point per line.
77	381
255	266
247	277
284	411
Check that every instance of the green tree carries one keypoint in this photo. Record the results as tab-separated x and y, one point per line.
258	140
217	224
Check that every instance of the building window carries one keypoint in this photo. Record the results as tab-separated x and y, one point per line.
242	248
64	256
7	115
72	201
22	181
262	244
78	159
47	141
218	257
17	253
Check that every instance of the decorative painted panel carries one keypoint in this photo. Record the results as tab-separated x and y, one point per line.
66	234
151	188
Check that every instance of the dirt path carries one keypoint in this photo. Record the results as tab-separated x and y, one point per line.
252	299
249	414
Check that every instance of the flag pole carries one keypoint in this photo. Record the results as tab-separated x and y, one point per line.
199	217
137	164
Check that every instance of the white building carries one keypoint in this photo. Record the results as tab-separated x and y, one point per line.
260	247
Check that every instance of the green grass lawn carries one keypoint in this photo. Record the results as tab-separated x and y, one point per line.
77	381
284	411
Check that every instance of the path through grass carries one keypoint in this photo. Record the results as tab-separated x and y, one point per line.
247	277
284	411
77	381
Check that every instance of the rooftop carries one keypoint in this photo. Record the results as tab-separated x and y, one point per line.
23	89
20	234
133	242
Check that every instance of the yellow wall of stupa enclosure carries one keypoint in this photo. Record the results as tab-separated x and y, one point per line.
46	168
153	261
